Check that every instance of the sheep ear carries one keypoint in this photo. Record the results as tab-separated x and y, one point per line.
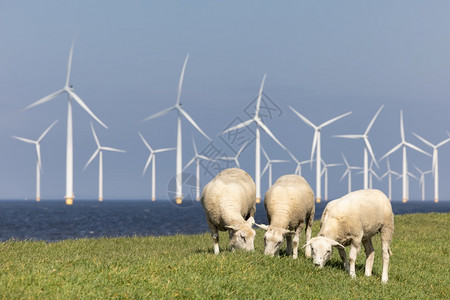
262	226
336	244
287	232
251	220
307	244
232	227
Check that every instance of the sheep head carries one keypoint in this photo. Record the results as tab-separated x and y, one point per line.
322	249
242	236
273	238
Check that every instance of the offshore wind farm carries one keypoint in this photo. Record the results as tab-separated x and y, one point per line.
235	112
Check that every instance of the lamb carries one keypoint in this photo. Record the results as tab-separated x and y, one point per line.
353	219
229	201
289	205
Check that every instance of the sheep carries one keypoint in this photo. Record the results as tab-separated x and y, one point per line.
229	201
352	220
289	205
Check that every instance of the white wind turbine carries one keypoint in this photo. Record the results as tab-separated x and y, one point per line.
259	125
422	180
181	112
235	158
348	172
372	173
298	169
368	147
197	157
69	144
317	145
389	173
325	173
99	152
37	143
152	157
404	144
268	165
435	163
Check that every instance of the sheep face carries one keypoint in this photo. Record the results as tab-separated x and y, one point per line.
242	237
322	249
273	239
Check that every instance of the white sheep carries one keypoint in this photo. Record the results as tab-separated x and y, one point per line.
352	220
289	205
229	201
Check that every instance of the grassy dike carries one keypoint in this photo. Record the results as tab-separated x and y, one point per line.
184	266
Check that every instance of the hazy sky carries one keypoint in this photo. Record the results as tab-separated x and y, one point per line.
324	58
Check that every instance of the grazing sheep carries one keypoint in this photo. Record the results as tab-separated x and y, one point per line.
352	220
289	205
229	201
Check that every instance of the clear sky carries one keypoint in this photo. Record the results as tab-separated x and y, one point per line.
324	58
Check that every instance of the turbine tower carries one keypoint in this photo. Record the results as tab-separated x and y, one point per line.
259	125
403	144
325	173
180	112
435	163
99	152
422	180
152	157
389	173
69	144
268	165
37	143
197	157
367	148
317	145
235	158
348	172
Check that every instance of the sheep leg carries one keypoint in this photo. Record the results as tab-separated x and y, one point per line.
214	235
370	255
308	230
288	244
354	249
296	241
343	256
386	238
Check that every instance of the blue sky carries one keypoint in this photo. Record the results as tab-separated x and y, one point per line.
324	58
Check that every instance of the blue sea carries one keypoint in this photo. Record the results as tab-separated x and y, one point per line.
52	220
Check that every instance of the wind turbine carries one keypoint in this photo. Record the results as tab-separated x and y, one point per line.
259	125
181	112
37	143
389	173
268	165
368	147
371	174
317	144
404	144
325	173
69	144
422	180
197	157
235	158
151	157
298	169
435	163
99	152
348	172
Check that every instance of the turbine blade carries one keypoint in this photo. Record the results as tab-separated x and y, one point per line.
195	146
417	148
293	157
92	158
314	144
267	130
345	160
69	64
112	149
443	143
423	140
278	161
145	142
164	150
24	139
402	128
46	131
334	119
189	163
95	135
242	148
303	118
238	126
349	136
345	173
258	101
38	153
150	157
180	83
188	117
205	158
84	106
45	99
159	114
391	151
265	168
369	147
265	153
373	120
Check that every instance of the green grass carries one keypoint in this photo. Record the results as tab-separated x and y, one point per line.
185	267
